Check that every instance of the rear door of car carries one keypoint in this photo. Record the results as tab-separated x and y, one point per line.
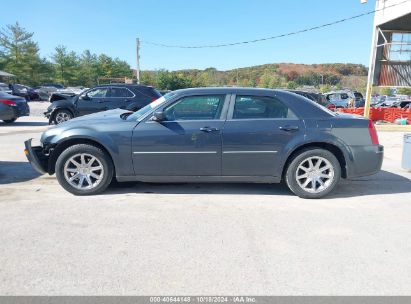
119	97
257	130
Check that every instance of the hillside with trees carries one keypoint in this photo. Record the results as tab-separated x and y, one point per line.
20	55
282	75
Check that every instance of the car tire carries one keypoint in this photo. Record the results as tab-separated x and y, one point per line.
10	120
77	169
313	173
61	116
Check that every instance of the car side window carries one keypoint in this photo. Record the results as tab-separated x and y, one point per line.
344	96
204	107
121	93
97	93
260	107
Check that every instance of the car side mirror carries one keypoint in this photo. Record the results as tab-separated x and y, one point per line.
85	97
158	116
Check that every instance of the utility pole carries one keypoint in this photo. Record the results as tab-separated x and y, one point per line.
138	60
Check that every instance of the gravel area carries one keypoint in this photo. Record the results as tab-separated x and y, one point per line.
37	108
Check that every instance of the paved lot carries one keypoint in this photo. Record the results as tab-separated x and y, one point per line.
143	239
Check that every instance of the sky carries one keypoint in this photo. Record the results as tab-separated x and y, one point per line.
111	27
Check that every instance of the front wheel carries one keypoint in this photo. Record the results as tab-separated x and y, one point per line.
61	116
84	169
313	173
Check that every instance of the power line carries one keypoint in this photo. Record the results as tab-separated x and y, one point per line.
273	37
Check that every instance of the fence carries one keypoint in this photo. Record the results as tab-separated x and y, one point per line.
386	114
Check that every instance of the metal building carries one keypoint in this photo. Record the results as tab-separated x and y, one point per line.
390	60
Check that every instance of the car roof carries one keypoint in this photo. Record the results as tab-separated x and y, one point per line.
226	90
123	85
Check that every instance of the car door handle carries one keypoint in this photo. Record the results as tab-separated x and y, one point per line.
208	129
289	128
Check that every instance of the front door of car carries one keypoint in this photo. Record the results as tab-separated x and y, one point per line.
187	142
257	130
94	100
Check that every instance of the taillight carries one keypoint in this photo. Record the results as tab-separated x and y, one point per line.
373	133
8	102
331	106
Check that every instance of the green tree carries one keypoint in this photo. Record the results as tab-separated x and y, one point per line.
88	69
292	85
66	65
404	91
19	55
386	91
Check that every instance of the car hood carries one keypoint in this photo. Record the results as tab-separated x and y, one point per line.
90	122
105	117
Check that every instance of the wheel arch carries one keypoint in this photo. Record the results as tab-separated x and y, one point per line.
61	146
56	109
334	149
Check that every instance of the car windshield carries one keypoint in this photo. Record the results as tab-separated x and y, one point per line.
143	111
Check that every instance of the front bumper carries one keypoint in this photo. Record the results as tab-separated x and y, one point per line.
366	160
36	157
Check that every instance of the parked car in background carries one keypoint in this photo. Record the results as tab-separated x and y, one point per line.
101	98
316	97
4	87
212	135
342	98
403	103
359	99
57	86
12	107
388	102
24	91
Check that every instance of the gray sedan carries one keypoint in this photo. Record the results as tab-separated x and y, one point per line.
212	135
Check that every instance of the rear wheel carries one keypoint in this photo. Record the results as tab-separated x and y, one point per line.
10	120
84	169
313	173
61	116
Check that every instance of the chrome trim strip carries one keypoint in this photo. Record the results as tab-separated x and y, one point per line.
247	152
177	152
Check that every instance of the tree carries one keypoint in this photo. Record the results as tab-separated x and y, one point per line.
19	54
292	85
66	65
404	91
386	91
88	69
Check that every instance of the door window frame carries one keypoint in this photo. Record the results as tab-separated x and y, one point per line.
223	114
116	87
230	113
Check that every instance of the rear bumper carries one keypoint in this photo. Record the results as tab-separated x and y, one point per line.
366	160
36	157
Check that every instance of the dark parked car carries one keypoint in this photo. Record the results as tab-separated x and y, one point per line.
316	97
12	107
5	88
24	91
212	135
101	98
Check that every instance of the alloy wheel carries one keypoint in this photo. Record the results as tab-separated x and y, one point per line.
83	171
62	117
315	174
